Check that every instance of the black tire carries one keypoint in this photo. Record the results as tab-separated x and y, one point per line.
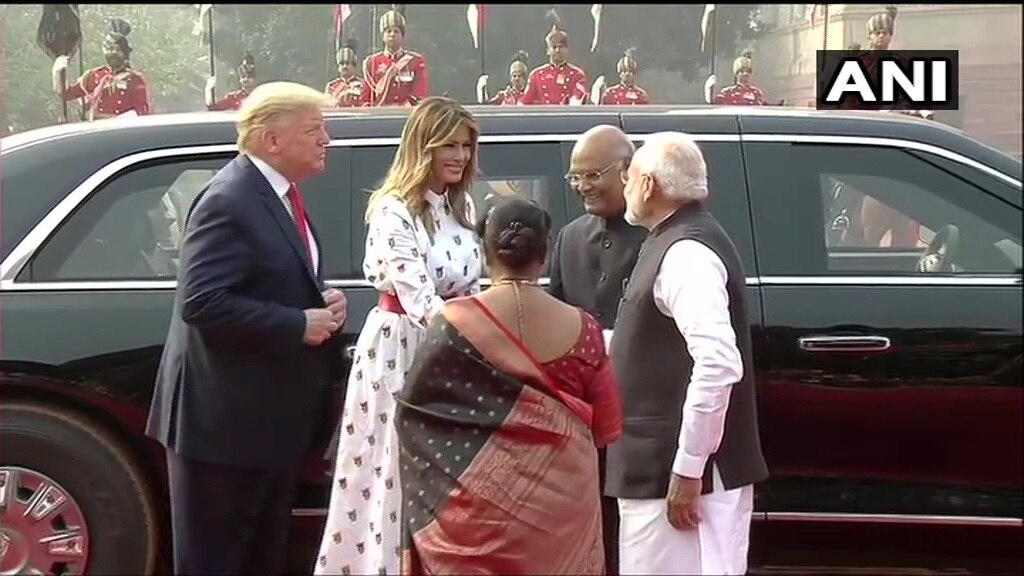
97	473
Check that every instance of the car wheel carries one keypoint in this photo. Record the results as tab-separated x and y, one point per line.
72	500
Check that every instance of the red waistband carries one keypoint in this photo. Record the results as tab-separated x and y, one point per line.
390	303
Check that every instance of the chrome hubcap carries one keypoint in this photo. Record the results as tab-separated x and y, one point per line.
43	531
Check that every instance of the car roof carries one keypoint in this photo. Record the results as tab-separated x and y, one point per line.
796	118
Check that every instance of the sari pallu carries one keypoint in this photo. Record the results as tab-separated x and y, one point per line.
498	467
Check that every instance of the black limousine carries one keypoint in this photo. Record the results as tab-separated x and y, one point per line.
888	369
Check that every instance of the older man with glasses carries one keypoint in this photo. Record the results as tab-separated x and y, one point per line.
595	253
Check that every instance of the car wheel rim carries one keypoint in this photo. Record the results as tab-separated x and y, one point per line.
43	530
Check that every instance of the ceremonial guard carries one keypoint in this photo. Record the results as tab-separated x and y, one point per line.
626	92
346	91
511	95
394	76
246	82
557	82
742	92
880	29
109	90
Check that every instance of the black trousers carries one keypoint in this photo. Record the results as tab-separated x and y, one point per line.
226	520
610	523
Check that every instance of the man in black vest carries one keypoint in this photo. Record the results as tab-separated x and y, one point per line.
685	466
594	254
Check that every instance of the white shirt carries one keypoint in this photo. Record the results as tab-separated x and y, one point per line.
691	289
422	271
281	185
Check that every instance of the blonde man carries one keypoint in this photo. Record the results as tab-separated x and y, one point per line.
689	454
250	351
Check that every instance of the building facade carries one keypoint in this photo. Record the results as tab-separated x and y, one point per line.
987	36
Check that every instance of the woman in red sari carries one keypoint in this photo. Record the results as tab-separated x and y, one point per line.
504	407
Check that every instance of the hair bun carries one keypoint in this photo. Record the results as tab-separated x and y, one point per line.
516	245
515	232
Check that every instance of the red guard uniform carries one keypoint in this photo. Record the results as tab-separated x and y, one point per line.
231	101
346	91
627	92
108	94
512	94
556	84
622	94
394	79
508	96
742	93
246	78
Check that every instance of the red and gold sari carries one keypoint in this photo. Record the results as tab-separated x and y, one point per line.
498	465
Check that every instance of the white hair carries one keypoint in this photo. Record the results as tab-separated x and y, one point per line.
676	163
270	103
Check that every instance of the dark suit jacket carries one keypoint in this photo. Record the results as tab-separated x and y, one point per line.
591	259
236	384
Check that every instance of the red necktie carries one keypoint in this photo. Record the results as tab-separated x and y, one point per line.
299	212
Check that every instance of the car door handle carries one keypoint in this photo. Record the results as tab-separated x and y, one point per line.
845	343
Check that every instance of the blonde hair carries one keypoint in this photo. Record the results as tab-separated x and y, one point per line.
268	103
431	125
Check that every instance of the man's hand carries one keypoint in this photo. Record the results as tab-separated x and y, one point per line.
683	501
320	325
337	304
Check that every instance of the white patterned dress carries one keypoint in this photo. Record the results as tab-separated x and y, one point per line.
363	534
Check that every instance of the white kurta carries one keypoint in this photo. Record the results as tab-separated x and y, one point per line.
691	289
363	535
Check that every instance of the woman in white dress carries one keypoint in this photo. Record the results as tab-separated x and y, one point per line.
420	250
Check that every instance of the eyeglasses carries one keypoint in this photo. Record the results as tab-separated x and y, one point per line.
575	179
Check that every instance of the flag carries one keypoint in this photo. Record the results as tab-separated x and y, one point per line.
816	14
476	17
595	13
60	30
705	23
341	13
199	29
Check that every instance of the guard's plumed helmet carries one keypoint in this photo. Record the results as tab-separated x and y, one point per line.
393	18
557	33
884	22
745	63
628	62
347	54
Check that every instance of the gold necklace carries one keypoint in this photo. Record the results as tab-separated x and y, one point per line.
516	283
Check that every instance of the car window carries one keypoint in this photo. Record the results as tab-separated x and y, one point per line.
530	169
871	210
129	229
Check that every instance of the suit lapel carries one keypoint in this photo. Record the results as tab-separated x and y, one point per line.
284	221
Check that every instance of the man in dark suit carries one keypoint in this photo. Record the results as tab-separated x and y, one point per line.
249	357
595	253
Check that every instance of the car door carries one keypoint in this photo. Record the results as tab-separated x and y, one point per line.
890	396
